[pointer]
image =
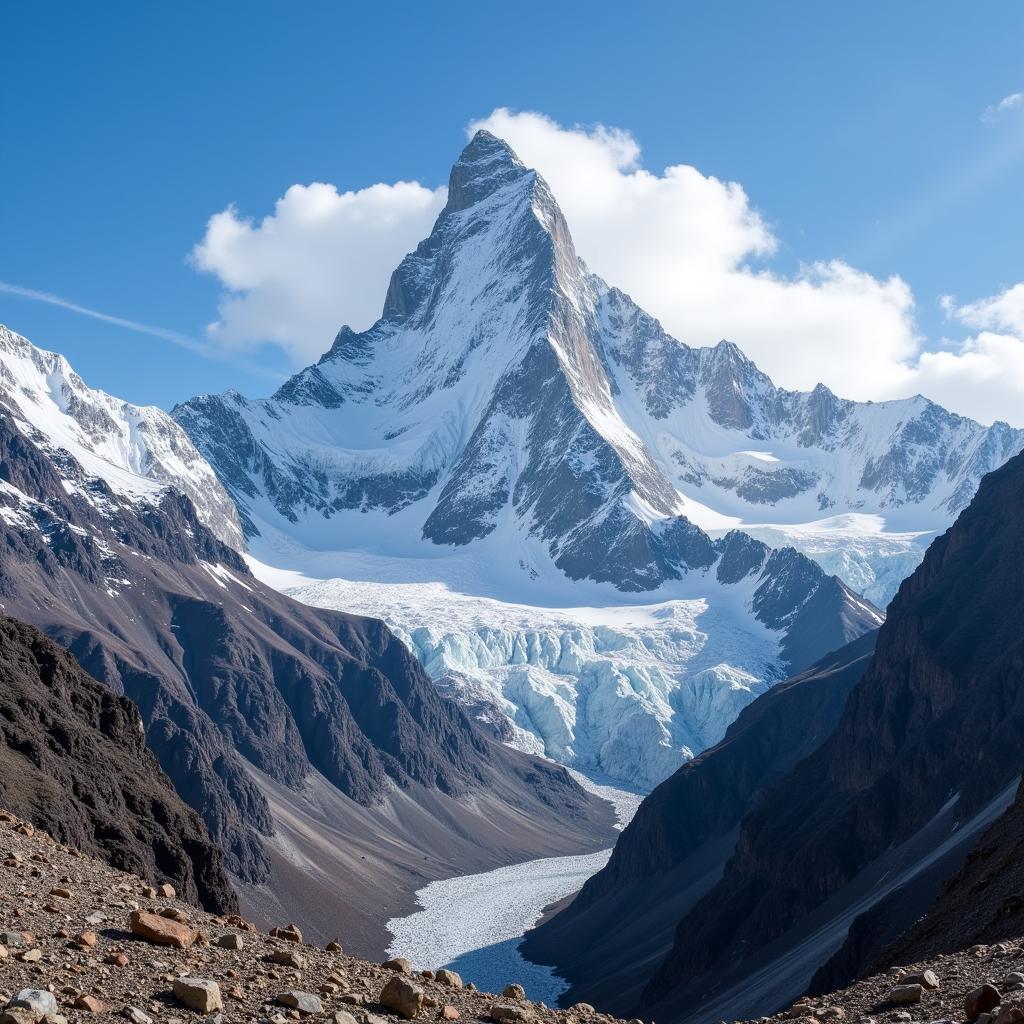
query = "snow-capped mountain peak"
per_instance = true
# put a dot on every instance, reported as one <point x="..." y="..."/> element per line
<point x="137" y="451"/>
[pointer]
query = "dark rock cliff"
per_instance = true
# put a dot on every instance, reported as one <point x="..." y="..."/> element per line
<point x="73" y="761"/>
<point x="931" y="736"/>
<point x="683" y="834"/>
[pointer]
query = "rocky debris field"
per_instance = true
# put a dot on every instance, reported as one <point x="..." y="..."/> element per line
<point x="984" y="984"/>
<point x="81" y="941"/>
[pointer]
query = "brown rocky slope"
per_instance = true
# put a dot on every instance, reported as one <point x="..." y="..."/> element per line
<point x="80" y="941"/>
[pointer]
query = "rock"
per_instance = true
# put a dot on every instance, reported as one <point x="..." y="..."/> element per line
<point x="402" y="996"/>
<point x="287" y="958"/>
<point x="230" y="941"/>
<point x="449" y="1013"/>
<point x="341" y="1017"/>
<point x="926" y="979"/>
<point x="117" y="959"/>
<point x="31" y="956"/>
<point x="1013" y="978"/>
<point x="95" y="918"/>
<point x="12" y="939"/>
<point x="137" y="1016"/>
<point x="90" y="1003"/>
<point x="400" y="965"/>
<point x="587" y="1008"/>
<point x="37" y="999"/>
<point x="85" y="939"/>
<point x="304" y="1002"/>
<point x="448" y="978"/>
<point x="161" y="931"/>
<point x="981" y="1000"/>
<point x="514" y="991"/>
<point x="4" y="954"/>
<point x="830" y="1013"/>
<point x="176" y="914"/>
<point x="290" y="932"/>
<point x="904" y="995"/>
<point x="200" y="994"/>
<point x="509" y="1011"/>
<point x="64" y="894"/>
<point x="166" y="891"/>
<point x="1010" y="1013"/>
<point x="19" y="1015"/>
<point x="333" y="947"/>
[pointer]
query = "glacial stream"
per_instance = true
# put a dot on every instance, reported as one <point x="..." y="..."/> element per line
<point x="475" y="923"/>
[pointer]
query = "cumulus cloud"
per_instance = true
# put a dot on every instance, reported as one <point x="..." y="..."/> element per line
<point x="322" y="257"/>
<point x="983" y="375"/>
<point x="690" y="248"/>
<point x="1007" y="105"/>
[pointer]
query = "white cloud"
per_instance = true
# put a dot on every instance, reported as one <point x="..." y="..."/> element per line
<point x="1007" y="105"/>
<point x="689" y="248"/>
<point x="320" y="259"/>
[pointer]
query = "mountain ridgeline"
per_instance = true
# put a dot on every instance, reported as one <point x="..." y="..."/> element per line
<point x="510" y="400"/>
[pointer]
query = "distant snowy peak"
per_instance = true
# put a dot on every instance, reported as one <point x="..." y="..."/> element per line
<point x="507" y="392"/>
<point x="137" y="451"/>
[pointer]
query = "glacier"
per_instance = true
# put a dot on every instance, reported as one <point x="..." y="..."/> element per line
<point x="629" y="691"/>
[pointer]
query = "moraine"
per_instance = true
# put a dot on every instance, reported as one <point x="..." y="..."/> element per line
<point x="474" y="924"/>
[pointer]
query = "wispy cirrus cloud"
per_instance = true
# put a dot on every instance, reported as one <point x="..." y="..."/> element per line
<point x="185" y="341"/>
<point x="1007" y="105"/>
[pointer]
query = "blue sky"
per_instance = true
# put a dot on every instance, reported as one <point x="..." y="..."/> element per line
<point x="856" y="132"/>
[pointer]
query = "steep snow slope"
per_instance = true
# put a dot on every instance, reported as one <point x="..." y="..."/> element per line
<point x="506" y="389"/>
<point x="138" y="451"/>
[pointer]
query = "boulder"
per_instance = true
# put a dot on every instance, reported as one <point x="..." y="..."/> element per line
<point x="514" y="991"/>
<point x="509" y="1011"/>
<point x="400" y="965"/>
<point x="230" y="941"/>
<point x="402" y="997"/>
<point x="287" y="958"/>
<point x="981" y="1000"/>
<point x="926" y="979"/>
<point x="304" y="1002"/>
<point x="200" y="994"/>
<point x="162" y="931"/>
<point x="905" y="995"/>
<point x="448" y="978"/>
<point x="36" y="999"/>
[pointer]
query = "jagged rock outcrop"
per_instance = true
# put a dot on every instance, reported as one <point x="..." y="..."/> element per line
<point x="73" y="761"/>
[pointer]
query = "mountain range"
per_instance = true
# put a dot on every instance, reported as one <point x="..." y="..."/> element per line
<point x="586" y="529"/>
<point x="303" y="655"/>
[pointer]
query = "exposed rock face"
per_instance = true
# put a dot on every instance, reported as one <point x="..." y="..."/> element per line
<point x="927" y="752"/>
<point x="508" y="393"/>
<point x="230" y="675"/>
<point x="608" y="941"/>
<point x="73" y="760"/>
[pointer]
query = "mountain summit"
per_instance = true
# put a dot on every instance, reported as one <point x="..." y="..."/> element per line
<point x="506" y="392"/>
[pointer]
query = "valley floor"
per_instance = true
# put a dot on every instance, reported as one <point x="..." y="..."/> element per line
<point x="475" y="923"/>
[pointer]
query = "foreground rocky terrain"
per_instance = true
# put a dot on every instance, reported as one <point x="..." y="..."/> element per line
<point x="80" y="940"/>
